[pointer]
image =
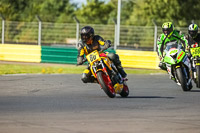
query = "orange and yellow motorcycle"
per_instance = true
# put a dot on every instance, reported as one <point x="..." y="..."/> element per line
<point x="107" y="75"/>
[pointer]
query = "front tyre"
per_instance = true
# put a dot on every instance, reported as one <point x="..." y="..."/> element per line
<point x="182" y="79"/>
<point x="105" y="84"/>
<point x="198" y="76"/>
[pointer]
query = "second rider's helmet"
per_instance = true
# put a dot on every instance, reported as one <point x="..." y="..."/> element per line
<point x="168" y="28"/>
<point x="87" y="34"/>
<point x="193" y="30"/>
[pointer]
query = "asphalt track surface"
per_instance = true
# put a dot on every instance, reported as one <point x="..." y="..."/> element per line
<point x="63" y="104"/>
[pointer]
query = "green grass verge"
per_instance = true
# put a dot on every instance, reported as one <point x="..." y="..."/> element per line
<point x="60" y="69"/>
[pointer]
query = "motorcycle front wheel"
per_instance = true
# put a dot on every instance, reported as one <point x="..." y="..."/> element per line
<point x="105" y="84"/>
<point x="182" y="79"/>
<point x="198" y="76"/>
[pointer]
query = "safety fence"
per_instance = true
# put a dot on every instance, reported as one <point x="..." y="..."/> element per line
<point x="46" y="33"/>
<point x="68" y="55"/>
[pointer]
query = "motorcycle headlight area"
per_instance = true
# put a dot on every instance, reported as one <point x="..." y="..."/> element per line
<point x="97" y="64"/>
<point x="174" y="55"/>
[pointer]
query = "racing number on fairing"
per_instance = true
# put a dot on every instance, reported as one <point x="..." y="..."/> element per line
<point x="197" y="50"/>
<point x="92" y="57"/>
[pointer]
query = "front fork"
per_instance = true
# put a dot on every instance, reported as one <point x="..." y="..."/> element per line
<point x="172" y="70"/>
<point x="194" y="74"/>
<point x="187" y="73"/>
<point x="195" y="62"/>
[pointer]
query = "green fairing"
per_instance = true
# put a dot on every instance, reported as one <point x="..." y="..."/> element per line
<point x="181" y="56"/>
<point x="174" y="51"/>
<point x="170" y="60"/>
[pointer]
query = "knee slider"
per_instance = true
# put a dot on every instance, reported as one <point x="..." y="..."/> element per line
<point x="84" y="78"/>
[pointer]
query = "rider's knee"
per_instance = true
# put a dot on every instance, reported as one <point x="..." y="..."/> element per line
<point x="84" y="78"/>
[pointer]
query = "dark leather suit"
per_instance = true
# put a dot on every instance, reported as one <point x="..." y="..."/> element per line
<point x="97" y="43"/>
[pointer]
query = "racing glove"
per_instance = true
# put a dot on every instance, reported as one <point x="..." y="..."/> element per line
<point x="79" y="60"/>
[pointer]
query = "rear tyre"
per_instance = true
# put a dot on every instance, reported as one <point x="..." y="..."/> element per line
<point x="105" y="84"/>
<point x="198" y="76"/>
<point x="125" y="91"/>
<point x="182" y="79"/>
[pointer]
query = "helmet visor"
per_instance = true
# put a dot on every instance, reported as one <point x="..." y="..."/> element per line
<point x="85" y="37"/>
<point x="167" y="31"/>
<point x="193" y="33"/>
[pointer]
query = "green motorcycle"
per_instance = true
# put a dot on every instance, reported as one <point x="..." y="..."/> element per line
<point x="195" y="52"/>
<point x="178" y="65"/>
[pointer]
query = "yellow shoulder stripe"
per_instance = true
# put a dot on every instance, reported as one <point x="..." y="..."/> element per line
<point x="82" y="52"/>
<point x="85" y="51"/>
<point x="101" y="42"/>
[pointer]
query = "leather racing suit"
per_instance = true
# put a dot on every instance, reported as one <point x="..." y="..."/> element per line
<point x="97" y="43"/>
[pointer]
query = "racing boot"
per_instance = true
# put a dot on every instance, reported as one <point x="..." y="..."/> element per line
<point x="162" y="66"/>
<point x="93" y="79"/>
<point x="172" y="78"/>
<point x="118" y="88"/>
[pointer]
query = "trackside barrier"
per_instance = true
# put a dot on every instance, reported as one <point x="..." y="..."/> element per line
<point x="68" y="55"/>
<point x="63" y="55"/>
<point x="44" y="54"/>
<point x="22" y="53"/>
<point x="138" y="59"/>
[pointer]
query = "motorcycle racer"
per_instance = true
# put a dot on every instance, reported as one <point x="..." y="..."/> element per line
<point x="90" y="42"/>
<point x="193" y="36"/>
<point x="168" y="35"/>
<point x="193" y="39"/>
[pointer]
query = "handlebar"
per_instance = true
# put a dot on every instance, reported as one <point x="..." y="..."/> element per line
<point x="85" y="59"/>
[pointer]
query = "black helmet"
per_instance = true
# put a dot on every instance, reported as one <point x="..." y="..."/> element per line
<point x="192" y="30"/>
<point x="87" y="33"/>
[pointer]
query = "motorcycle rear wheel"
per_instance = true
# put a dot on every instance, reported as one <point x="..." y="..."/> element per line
<point x="105" y="85"/>
<point x="125" y="91"/>
<point x="182" y="79"/>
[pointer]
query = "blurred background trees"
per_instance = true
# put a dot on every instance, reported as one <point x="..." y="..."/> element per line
<point x="48" y="10"/>
<point x="137" y="27"/>
<point x="133" y="12"/>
